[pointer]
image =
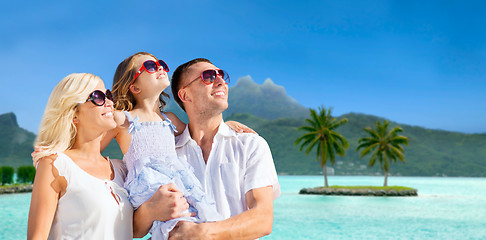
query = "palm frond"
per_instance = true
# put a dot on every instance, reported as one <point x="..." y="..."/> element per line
<point x="310" y="135"/>
<point x="399" y="140"/>
<point x="311" y="123"/>
<point x="390" y="155"/>
<point x="307" y="128"/>
<point x="341" y="139"/>
<point x="367" y="144"/>
<point x="368" y="140"/>
<point x="315" y="119"/>
<point x="311" y="146"/>
<point x="339" y="149"/>
<point x="398" y="153"/>
<point x="395" y="131"/>
<point x="306" y="142"/>
<point x="372" y="132"/>
<point x="368" y="149"/>
<point x="372" y="161"/>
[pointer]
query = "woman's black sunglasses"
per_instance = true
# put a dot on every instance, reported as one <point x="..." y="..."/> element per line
<point x="98" y="97"/>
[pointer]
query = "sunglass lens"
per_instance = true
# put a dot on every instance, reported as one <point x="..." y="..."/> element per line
<point x="150" y="66"/>
<point x="98" y="97"/>
<point x="164" y="65"/>
<point x="208" y="76"/>
<point x="226" y="76"/>
<point x="109" y="95"/>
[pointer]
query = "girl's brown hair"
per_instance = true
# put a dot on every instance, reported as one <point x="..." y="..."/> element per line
<point x="124" y="74"/>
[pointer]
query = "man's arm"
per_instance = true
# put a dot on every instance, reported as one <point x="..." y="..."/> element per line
<point x="251" y="224"/>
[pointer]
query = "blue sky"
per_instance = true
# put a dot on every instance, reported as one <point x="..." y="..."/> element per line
<point x="414" y="62"/>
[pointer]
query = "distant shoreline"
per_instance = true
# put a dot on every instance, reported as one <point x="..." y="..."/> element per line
<point x="16" y="189"/>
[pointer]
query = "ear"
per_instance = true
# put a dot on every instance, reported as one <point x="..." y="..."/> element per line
<point x="183" y="95"/>
<point x="75" y="120"/>
<point x="134" y="89"/>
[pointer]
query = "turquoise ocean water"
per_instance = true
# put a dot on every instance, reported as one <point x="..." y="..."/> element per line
<point x="446" y="208"/>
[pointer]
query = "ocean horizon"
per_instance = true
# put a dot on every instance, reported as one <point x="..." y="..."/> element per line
<point x="445" y="208"/>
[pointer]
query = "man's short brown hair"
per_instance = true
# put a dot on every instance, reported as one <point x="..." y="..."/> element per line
<point x="177" y="78"/>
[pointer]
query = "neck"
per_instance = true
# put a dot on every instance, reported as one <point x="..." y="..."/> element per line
<point x="87" y="145"/>
<point x="203" y="129"/>
<point x="148" y="104"/>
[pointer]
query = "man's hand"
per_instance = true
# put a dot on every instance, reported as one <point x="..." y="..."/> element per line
<point x="37" y="150"/>
<point x="188" y="230"/>
<point x="167" y="203"/>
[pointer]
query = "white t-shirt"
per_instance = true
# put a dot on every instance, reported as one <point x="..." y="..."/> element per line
<point x="237" y="163"/>
<point x="92" y="208"/>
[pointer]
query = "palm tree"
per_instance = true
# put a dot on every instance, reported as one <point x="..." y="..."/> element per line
<point x="321" y="133"/>
<point x="385" y="146"/>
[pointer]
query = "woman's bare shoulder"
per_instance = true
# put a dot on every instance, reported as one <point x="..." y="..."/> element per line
<point x="46" y="163"/>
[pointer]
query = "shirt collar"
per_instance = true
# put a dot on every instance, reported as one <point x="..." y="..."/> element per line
<point x="185" y="136"/>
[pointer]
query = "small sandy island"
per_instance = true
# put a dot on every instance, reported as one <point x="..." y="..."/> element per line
<point x="392" y="191"/>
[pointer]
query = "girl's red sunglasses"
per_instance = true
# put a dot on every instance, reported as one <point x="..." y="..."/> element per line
<point x="151" y="67"/>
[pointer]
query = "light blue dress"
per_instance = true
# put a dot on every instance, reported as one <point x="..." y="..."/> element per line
<point x="152" y="161"/>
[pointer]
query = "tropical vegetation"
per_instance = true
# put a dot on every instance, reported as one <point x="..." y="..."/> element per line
<point x="321" y="134"/>
<point x="25" y="175"/>
<point x="383" y="145"/>
<point x="6" y="175"/>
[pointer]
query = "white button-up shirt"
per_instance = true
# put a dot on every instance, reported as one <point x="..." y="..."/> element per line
<point x="237" y="163"/>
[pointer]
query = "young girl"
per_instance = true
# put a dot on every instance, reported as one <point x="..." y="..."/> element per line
<point x="145" y="135"/>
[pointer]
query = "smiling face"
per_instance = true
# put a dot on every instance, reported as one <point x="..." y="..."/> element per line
<point x="150" y="83"/>
<point x="95" y="118"/>
<point x="201" y="98"/>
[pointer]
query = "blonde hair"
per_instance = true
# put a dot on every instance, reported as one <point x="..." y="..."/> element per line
<point x="57" y="131"/>
<point x="124" y="74"/>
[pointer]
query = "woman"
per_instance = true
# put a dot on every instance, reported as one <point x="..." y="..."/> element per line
<point x="77" y="192"/>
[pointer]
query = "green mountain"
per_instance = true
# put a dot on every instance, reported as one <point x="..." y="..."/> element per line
<point x="15" y="142"/>
<point x="275" y="116"/>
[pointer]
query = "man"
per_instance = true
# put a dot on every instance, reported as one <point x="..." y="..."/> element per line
<point x="237" y="170"/>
